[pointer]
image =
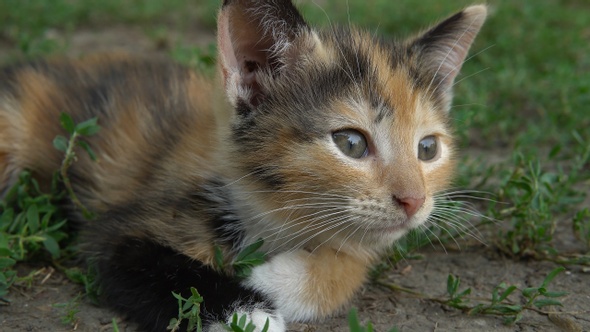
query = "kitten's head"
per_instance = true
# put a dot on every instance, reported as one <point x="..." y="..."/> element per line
<point x="338" y="138"/>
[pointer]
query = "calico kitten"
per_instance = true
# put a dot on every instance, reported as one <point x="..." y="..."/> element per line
<point x="328" y="145"/>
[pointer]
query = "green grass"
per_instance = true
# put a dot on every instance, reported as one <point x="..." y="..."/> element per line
<point x="31" y="220"/>
<point x="521" y="105"/>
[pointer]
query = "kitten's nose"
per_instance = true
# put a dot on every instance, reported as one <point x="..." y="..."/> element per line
<point x="410" y="204"/>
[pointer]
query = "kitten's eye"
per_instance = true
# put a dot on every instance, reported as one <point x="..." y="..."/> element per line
<point x="427" y="148"/>
<point x="351" y="142"/>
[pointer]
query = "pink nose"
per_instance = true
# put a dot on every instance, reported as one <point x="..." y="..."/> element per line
<point x="411" y="205"/>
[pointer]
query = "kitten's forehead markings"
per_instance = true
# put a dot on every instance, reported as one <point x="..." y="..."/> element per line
<point x="382" y="112"/>
<point x="357" y="59"/>
<point x="369" y="109"/>
<point x="397" y="90"/>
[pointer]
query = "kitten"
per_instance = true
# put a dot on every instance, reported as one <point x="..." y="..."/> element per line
<point x="328" y="145"/>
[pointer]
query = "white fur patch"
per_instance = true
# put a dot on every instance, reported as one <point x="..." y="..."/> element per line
<point x="283" y="280"/>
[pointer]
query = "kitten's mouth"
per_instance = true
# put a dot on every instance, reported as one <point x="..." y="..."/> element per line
<point x="399" y="227"/>
<point x="403" y="227"/>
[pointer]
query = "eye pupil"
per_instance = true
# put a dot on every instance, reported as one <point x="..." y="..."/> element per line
<point x="351" y="142"/>
<point x="427" y="148"/>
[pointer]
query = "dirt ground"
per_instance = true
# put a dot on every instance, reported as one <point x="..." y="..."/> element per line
<point x="38" y="308"/>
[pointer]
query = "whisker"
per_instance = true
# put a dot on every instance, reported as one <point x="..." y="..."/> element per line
<point x="459" y="227"/>
<point x="469" y="212"/>
<point x="468" y="76"/>
<point x="239" y="179"/>
<point x="353" y="233"/>
<point x="435" y="236"/>
<point x="297" y="222"/>
<point x="346" y="221"/>
<point x="300" y="192"/>
<point x="337" y="222"/>
<point x="294" y="207"/>
<point x="318" y="222"/>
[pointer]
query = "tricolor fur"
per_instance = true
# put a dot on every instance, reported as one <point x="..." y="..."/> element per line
<point x="188" y="164"/>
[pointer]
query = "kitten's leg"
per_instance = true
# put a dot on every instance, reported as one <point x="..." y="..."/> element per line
<point x="138" y="277"/>
<point x="305" y="286"/>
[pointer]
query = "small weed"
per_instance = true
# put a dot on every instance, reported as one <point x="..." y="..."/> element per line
<point x="70" y="310"/>
<point x="355" y="326"/>
<point x="86" y="278"/>
<point x="581" y="226"/>
<point x="248" y="259"/>
<point x="30" y="220"/>
<point x="535" y="298"/>
<point x="115" y="325"/>
<point x="536" y="197"/>
<point x="189" y="309"/>
<point x="76" y="131"/>
<point x="242" y="324"/>
<point x="244" y="262"/>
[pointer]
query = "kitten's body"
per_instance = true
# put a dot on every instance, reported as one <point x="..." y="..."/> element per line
<point x="186" y="165"/>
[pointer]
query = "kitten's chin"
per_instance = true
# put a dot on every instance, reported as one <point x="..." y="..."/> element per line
<point x="383" y="238"/>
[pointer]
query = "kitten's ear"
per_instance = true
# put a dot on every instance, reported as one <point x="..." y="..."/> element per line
<point x="256" y="38"/>
<point x="443" y="48"/>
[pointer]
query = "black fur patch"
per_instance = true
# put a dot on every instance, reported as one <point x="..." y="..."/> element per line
<point x="441" y="31"/>
<point x="354" y="61"/>
<point x="243" y="109"/>
<point x="215" y="201"/>
<point x="140" y="276"/>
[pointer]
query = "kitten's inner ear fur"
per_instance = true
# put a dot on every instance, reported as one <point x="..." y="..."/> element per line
<point x="256" y="38"/>
<point x="443" y="48"/>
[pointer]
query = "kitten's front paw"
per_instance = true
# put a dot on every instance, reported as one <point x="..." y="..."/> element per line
<point x="304" y="286"/>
